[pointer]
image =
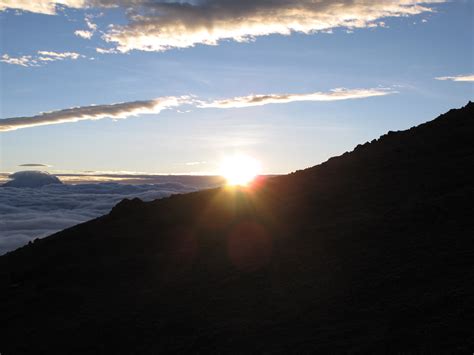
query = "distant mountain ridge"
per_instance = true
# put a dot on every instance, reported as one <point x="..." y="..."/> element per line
<point x="369" y="252"/>
<point x="31" y="178"/>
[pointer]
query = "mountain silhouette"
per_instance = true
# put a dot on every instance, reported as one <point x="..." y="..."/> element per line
<point x="369" y="252"/>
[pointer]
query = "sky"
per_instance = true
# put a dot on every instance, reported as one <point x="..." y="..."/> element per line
<point x="173" y="87"/>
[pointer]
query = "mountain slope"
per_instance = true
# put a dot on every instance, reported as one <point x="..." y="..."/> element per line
<point x="371" y="251"/>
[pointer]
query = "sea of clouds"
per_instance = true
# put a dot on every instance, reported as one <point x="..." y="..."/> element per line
<point x="27" y="213"/>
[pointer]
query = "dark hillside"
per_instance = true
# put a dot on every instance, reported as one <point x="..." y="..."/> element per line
<point x="369" y="252"/>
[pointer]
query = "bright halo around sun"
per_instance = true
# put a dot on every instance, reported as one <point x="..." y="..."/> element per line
<point x="240" y="170"/>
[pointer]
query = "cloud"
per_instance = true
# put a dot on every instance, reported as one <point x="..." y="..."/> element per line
<point x="92" y="27"/>
<point x="201" y="180"/>
<point x="259" y="100"/>
<point x="162" y="25"/>
<point x="46" y="7"/>
<point x="134" y="108"/>
<point x="120" y="110"/>
<point x="35" y="165"/>
<point x="31" y="178"/>
<point x="59" y="56"/>
<point x="194" y="163"/>
<point x="42" y="57"/>
<point x="464" y="78"/>
<point x="29" y="213"/>
<point x="84" y="34"/>
<point x="105" y="50"/>
<point x="24" y="61"/>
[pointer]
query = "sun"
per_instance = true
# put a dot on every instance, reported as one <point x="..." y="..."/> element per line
<point x="239" y="170"/>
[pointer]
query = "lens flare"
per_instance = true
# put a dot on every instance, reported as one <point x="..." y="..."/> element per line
<point x="240" y="170"/>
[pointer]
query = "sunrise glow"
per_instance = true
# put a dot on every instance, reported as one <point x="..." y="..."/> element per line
<point x="239" y="170"/>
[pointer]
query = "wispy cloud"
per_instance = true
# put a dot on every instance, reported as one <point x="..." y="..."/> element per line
<point x="41" y="57"/>
<point x="84" y="34"/>
<point x="59" y="56"/>
<point x="127" y="109"/>
<point x="115" y="111"/>
<point x="92" y="27"/>
<point x="105" y="50"/>
<point x="465" y="78"/>
<point x="37" y="165"/>
<point x="194" y="163"/>
<point x="332" y="95"/>
<point x="24" y="61"/>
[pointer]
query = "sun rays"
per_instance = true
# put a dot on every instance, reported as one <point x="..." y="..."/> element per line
<point x="240" y="170"/>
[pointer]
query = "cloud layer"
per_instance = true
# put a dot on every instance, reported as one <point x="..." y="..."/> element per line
<point x="164" y="24"/>
<point x="465" y="78"/>
<point x="127" y="109"/>
<point x="29" y="213"/>
<point x="333" y="95"/>
<point x="116" y="111"/>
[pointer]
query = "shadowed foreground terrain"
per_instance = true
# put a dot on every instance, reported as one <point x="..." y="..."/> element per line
<point x="369" y="252"/>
